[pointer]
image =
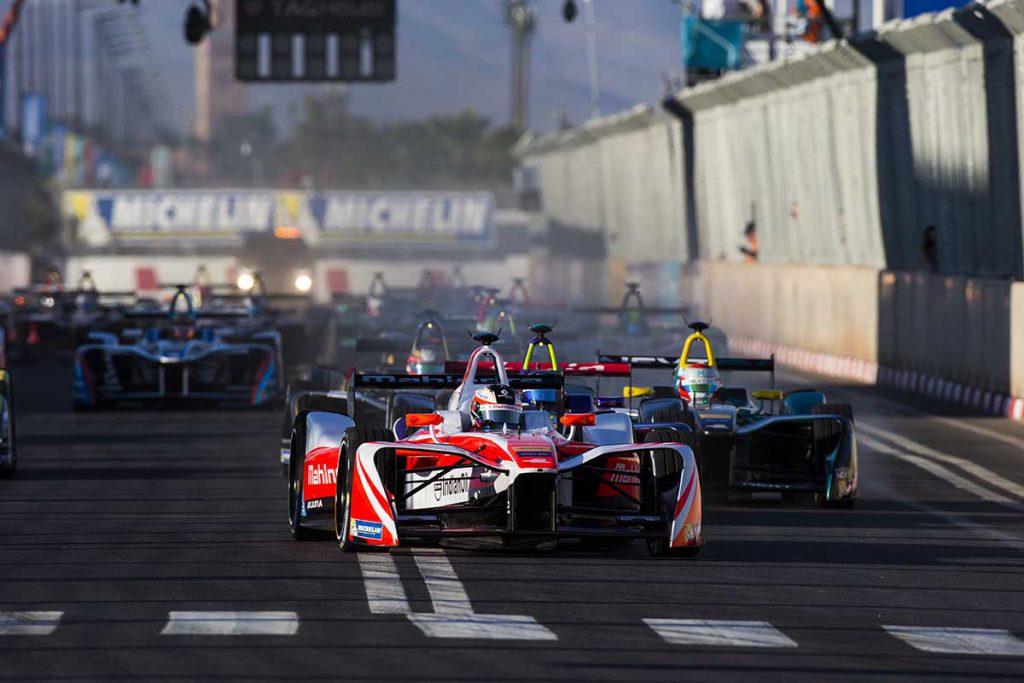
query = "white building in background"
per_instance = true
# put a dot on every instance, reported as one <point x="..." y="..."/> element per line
<point x="218" y="94"/>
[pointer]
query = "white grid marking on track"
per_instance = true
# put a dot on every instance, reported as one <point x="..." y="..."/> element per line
<point x="384" y="591"/>
<point x="485" y="626"/>
<point x="231" y="624"/>
<point x="446" y="591"/>
<point x="29" y="623"/>
<point x="720" y="633"/>
<point x="961" y="641"/>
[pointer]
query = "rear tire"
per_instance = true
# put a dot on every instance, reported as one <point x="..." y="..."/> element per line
<point x="350" y="443"/>
<point x="671" y="435"/>
<point x="683" y="415"/>
<point x="8" y="468"/>
<point x="843" y="409"/>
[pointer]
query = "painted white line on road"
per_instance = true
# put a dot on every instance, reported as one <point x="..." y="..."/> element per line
<point x="384" y="591"/>
<point x="1014" y="441"/>
<point x="453" y="615"/>
<point x="29" y="623"/>
<point x="231" y="624"/>
<point x="961" y="423"/>
<point x="960" y="641"/>
<point x="484" y="626"/>
<point x="982" y="473"/>
<point x="720" y="633"/>
<point x="446" y="591"/>
<point x="941" y="472"/>
<point x="953" y="518"/>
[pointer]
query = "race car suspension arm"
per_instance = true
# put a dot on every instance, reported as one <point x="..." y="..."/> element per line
<point x="595" y="473"/>
<point x="441" y="471"/>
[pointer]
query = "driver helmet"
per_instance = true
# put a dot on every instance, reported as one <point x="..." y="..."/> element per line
<point x="495" y="406"/>
<point x="696" y="383"/>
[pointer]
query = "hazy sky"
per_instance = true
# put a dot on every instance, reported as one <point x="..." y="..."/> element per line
<point x="454" y="55"/>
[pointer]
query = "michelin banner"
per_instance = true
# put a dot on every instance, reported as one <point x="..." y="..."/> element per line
<point x="106" y="218"/>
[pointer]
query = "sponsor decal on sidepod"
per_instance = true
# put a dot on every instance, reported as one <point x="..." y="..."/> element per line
<point x="373" y="531"/>
<point x="321" y="474"/>
<point x="443" y="488"/>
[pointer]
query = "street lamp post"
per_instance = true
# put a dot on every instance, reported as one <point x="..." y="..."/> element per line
<point x="592" y="72"/>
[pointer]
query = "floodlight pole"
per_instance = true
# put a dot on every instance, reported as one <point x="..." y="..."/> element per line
<point x="592" y="72"/>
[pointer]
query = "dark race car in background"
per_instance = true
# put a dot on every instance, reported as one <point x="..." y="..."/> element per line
<point x="182" y="355"/>
<point x="794" y="443"/>
<point x="8" y="441"/>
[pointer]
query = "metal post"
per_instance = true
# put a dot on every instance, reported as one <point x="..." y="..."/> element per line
<point x="593" y="76"/>
<point x="781" y="12"/>
<point x="32" y="42"/>
<point x="76" y="50"/>
<point x="46" y="28"/>
<point x="17" y="54"/>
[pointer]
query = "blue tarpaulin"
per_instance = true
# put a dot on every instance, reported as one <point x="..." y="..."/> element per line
<point x="710" y="44"/>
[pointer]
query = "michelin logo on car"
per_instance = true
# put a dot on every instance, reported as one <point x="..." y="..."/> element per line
<point x="373" y="531"/>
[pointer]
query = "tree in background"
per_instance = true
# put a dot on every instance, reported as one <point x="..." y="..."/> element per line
<point x="331" y="148"/>
<point x="240" y="148"/>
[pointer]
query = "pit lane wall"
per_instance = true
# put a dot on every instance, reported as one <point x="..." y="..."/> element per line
<point x="614" y="204"/>
<point x="15" y="270"/>
<point x="842" y="157"/>
<point x="948" y="336"/>
<point x="845" y="154"/>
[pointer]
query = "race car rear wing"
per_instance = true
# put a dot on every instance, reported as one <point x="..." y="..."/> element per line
<point x="379" y="381"/>
<point x="672" y="362"/>
<point x="659" y="362"/>
<point x="569" y="369"/>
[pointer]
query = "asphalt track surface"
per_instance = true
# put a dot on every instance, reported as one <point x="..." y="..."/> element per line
<point x="154" y="544"/>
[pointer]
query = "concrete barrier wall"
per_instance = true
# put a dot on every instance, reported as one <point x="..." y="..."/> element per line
<point x="819" y="308"/>
<point x="792" y="147"/>
<point x="620" y="178"/>
<point x="953" y="327"/>
<point x="1017" y="339"/>
<point x="968" y="330"/>
<point x="845" y="155"/>
<point x="122" y="273"/>
<point x="15" y="270"/>
<point x="354" y="276"/>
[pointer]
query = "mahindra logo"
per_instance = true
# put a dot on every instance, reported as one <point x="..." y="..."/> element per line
<point x="391" y="380"/>
<point x="319" y="475"/>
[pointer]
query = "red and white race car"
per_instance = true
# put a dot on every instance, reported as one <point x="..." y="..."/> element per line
<point x="517" y="482"/>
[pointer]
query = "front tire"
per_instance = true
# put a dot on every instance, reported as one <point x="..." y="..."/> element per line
<point x="350" y="443"/>
<point x="684" y="415"/>
<point x="8" y="467"/>
<point x="295" y="496"/>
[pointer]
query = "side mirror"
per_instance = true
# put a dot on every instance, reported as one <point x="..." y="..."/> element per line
<point x="416" y="420"/>
<point x="579" y="420"/>
<point x="637" y="392"/>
